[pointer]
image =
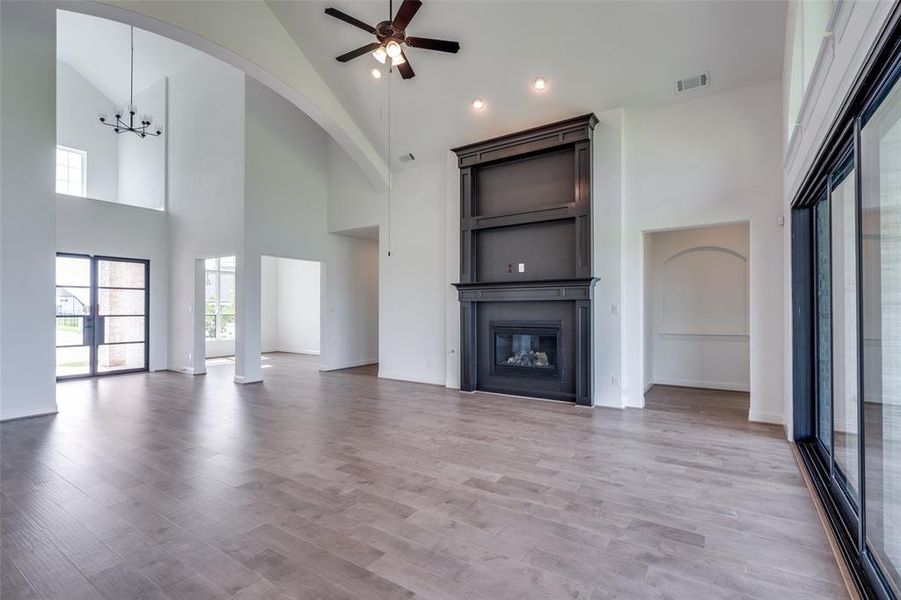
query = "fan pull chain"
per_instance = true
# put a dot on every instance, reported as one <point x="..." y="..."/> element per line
<point x="388" y="162"/>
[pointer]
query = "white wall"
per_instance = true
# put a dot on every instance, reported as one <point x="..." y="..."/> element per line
<point x="27" y="208"/>
<point x="607" y="213"/>
<point x="290" y="305"/>
<point x="697" y="296"/>
<point x="88" y="226"/>
<point x="417" y="338"/>
<point x="286" y="194"/>
<point x="704" y="162"/>
<point x="269" y="304"/>
<point x="142" y="161"/>
<point x="205" y="145"/>
<point x="78" y="103"/>
<point x="854" y="28"/>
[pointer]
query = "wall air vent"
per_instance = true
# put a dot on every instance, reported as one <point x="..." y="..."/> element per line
<point x="406" y="157"/>
<point x="701" y="80"/>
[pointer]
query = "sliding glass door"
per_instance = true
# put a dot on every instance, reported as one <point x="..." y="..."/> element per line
<point x="846" y="264"/>
<point x="844" y="332"/>
<point x="102" y="315"/>
<point x="881" y="318"/>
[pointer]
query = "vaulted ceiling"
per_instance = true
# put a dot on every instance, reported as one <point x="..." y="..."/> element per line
<point x="595" y="55"/>
<point x="99" y="49"/>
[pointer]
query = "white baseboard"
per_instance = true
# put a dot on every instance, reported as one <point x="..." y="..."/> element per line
<point x="187" y="371"/>
<point x="710" y="385"/>
<point x="414" y="379"/>
<point x="240" y="379"/>
<point x="350" y="364"/>
<point x="15" y="415"/>
<point x="765" y="416"/>
<point x="600" y="402"/>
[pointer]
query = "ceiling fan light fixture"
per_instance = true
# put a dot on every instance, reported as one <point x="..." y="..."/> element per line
<point x="392" y="49"/>
<point x="478" y="104"/>
<point x="380" y="55"/>
<point x="540" y="84"/>
<point x="398" y="60"/>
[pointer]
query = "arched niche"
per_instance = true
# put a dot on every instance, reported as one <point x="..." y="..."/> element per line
<point x="705" y="292"/>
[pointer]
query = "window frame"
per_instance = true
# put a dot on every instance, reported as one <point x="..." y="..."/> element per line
<point x="218" y="313"/>
<point x="84" y="171"/>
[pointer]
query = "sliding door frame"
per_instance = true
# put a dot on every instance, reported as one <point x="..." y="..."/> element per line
<point x="881" y="71"/>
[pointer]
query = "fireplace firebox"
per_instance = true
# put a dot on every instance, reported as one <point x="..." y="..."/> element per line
<point x="527" y="349"/>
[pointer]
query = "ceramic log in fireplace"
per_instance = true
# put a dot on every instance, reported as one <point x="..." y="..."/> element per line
<point x="526" y="281"/>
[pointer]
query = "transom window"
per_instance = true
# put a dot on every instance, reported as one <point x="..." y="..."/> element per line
<point x="71" y="170"/>
<point x="220" y="298"/>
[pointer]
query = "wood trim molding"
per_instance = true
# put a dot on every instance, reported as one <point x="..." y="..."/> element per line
<point x="544" y="137"/>
<point x="705" y="337"/>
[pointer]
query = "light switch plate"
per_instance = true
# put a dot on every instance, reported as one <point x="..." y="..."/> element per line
<point x="522" y="267"/>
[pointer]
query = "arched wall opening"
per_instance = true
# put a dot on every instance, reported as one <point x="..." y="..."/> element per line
<point x="696" y="320"/>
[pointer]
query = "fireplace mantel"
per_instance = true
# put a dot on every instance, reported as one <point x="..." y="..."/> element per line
<point x="520" y="291"/>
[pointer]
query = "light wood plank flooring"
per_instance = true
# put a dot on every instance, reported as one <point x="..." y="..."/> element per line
<point x="341" y="485"/>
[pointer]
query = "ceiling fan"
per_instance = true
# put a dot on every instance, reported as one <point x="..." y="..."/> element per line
<point x="392" y="37"/>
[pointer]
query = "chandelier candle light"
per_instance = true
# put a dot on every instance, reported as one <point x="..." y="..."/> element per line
<point x="121" y="126"/>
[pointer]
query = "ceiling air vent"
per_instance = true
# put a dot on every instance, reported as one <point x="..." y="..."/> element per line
<point x="701" y="80"/>
<point x="408" y="157"/>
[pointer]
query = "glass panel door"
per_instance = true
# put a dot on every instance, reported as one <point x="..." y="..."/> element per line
<point x="102" y="315"/>
<point x="844" y="333"/>
<point x="823" y="295"/>
<point x="881" y="321"/>
<point x="73" y="316"/>
<point x="121" y="315"/>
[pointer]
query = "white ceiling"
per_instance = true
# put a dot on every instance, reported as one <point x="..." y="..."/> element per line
<point x="597" y="55"/>
<point x="99" y="49"/>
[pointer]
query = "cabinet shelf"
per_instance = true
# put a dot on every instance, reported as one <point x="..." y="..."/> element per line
<point x="554" y="212"/>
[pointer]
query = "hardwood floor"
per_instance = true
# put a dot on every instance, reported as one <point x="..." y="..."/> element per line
<point x="341" y="485"/>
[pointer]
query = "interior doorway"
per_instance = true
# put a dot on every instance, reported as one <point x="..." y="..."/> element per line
<point x="290" y="307"/>
<point x="696" y="308"/>
<point x="102" y="317"/>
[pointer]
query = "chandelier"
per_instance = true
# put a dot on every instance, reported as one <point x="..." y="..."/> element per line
<point x="120" y="126"/>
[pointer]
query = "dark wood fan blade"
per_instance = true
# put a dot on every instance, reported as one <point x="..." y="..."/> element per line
<point x="405" y="14"/>
<point x="430" y="44"/>
<point x="406" y="71"/>
<point x="358" y="52"/>
<point x="334" y="12"/>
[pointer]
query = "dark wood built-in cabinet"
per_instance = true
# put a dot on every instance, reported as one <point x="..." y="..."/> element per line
<point x="525" y="258"/>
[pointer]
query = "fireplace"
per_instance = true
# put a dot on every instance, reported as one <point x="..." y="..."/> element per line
<point x="526" y="277"/>
<point x="527" y="349"/>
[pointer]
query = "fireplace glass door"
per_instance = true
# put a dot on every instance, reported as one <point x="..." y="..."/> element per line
<point x="526" y="350"/>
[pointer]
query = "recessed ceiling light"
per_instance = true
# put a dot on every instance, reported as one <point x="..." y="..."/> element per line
<point x="478" y="103"/>
<point x="376" y="73"/>
<point x="540" y="84"/>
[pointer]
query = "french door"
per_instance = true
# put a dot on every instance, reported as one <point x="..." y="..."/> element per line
<point x="102" y="317"/>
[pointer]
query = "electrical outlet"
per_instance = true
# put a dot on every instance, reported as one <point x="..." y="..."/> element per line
<point x="614" y="381"/>
<point x="522" y="267"/>
<point x="614" y="309"/>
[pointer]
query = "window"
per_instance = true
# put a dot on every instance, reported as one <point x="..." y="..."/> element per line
<point x="71" y="171"/>
<point x="220" y="298"/>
